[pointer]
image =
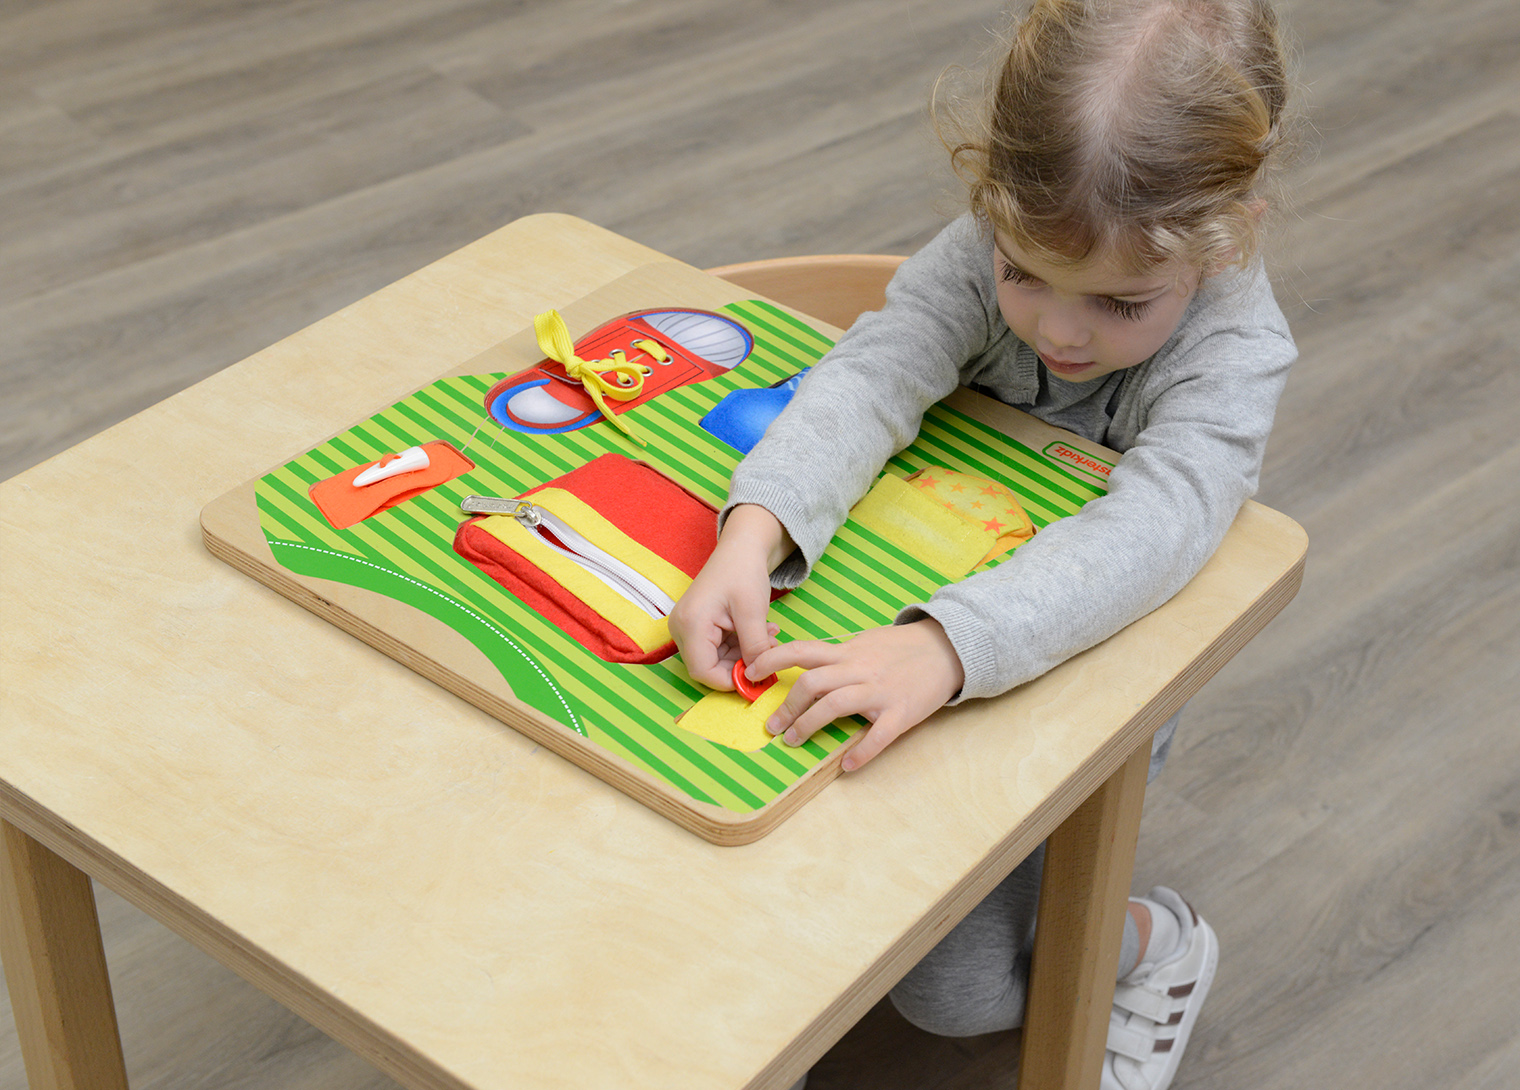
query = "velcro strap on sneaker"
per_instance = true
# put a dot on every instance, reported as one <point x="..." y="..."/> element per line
<point x="1132" y="1043"/>
<point x="1145" y="1003"/>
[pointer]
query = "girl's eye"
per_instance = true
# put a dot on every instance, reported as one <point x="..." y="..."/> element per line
<point x="1130" y="311"/>
<point x="1014" y="275"/>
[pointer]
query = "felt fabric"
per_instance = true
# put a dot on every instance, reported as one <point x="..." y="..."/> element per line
<point x="626" y="383"/>
<point x="641" y="517"/>
<point x="646" y="505"/>
<point x="949" y="541"/>
<point x="649" y="352"/>
<point x="604" y="534"/>
<point x="343" y="504"/>
<point x="741" y="418"/>
<point x="648" y="633"/>
<point x="988" y="503"/>
<point x="731" y="720"/>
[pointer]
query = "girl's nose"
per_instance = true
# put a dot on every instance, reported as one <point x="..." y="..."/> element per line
<point x="1063" y="327"/>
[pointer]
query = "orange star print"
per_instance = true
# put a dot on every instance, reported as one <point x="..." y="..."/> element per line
<point x="988" y="502"/>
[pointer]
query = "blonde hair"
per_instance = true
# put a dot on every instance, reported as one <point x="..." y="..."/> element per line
<point x="1136" y="129"/>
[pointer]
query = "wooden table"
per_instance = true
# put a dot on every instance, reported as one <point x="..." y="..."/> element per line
<point x="462" y="908"/>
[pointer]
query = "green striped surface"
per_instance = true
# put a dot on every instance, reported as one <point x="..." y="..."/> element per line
<point x="407" y="552"/>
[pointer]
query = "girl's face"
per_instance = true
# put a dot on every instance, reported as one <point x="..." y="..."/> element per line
<point x="1091" y="319"/>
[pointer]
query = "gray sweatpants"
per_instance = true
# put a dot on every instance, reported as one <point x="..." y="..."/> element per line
<point x="974" y="981"/>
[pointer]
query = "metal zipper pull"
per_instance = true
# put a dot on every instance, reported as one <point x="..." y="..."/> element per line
<point x="524" y="511"/>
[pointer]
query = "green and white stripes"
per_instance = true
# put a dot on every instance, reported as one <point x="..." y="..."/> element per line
<point x="407" y="552"/>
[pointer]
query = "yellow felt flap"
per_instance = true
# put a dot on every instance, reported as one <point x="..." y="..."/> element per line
<point x="649" y="633"/>
<point x="595" y="527"/>
<point x="730" y="720"/>
<point x="949" y="542"/>
<point x="989" y="503"/>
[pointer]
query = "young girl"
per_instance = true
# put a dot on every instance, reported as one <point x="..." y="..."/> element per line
<point x="1105" y="280"/>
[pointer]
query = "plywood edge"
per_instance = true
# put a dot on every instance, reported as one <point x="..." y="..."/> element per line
<point x="1032" y="432"/>
<point x="231" y="533"/>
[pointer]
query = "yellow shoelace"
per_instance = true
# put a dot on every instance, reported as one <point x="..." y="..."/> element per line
<point x="627" y="382"/>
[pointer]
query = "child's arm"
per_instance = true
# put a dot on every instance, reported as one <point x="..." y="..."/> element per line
<point x="866" y="398"/>
<point x="895" y="676"/>
<point x="721" y="617"/>
<point x="1192" y="423"/>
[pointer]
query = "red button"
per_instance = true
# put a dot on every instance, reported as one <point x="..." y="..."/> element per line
<point x="750" y="690"/>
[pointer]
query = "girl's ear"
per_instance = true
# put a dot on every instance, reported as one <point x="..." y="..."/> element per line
<point x="1221" y="263"/>
<point x="1255" y="208"/>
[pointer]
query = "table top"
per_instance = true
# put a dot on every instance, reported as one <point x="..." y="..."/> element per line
<point x="459" y="905"/>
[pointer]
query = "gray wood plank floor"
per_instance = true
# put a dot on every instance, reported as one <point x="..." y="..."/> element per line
<point x="184" y="183"/>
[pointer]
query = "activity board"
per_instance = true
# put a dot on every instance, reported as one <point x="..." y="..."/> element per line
<point x="517" y="540"/>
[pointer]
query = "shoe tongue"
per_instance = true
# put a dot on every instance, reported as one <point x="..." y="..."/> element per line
<point x="1166" y="932"/>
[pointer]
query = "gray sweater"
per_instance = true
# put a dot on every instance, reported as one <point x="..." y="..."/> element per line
<point x="1191" y="423"/>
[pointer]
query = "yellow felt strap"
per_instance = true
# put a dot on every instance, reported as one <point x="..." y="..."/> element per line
<point x="648" y="632"/>
<point x="940" y="536"/>
<point x="596" y="528"/>
<point x="730" y="720"/>
<point x="554" y="341"/>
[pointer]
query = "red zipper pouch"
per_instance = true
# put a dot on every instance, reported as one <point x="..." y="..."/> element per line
<point x="604" y="552"/>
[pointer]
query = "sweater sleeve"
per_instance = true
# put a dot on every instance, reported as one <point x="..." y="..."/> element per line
<point x="1195" y="424"/>
<point x="1206" y="415"/>
<point x="864" y="401"/>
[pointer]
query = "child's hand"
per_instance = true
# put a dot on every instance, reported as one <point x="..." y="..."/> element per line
<point x="896" y="677"/>
<point x="721" y="617"/>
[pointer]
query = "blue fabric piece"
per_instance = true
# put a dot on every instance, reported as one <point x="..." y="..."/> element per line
<point x="741" y="418"/>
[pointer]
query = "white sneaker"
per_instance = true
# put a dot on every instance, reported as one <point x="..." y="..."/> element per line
<point x="1157" y="1004"/>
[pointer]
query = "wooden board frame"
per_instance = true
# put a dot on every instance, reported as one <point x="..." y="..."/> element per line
<point x="232" y="532"/>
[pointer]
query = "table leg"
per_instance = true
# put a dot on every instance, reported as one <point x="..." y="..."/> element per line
<point x="55" y="967"/>
<point x="1089" y="862"/>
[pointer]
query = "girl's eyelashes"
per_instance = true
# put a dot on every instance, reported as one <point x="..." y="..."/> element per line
<point x="1015" y="275"/>
<point x="1124" y="308"/>
<point x="1129" y="310"/>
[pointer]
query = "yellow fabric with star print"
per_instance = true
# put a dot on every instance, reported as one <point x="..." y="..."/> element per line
<point x="950" y="520"/>
<point x="988" y="503"/>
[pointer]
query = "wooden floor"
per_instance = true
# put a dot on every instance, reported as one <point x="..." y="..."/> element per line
<point x="182" y="183"/>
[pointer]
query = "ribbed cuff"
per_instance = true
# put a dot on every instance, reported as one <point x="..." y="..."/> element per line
<point x="809" y="538"/>
<point x="968" y="635"/>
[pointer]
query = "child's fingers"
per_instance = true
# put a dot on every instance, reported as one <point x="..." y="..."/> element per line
<point x="818" y="697"/>
<point x="894" y="677"/>
<point x="882" y="733"/>
<point x="710" y="659"/>
<point x="754" y="636"/>
<point x="705" y="656"/>
<point x="886" y="729"/>
<point x="772" y="630"/>
<point x="807" y="654"/>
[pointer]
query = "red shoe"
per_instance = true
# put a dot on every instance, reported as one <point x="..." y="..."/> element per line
<point x="674" y="348"/>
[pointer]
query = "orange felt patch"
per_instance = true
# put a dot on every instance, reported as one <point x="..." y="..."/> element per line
<point x="343" y="504"/>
